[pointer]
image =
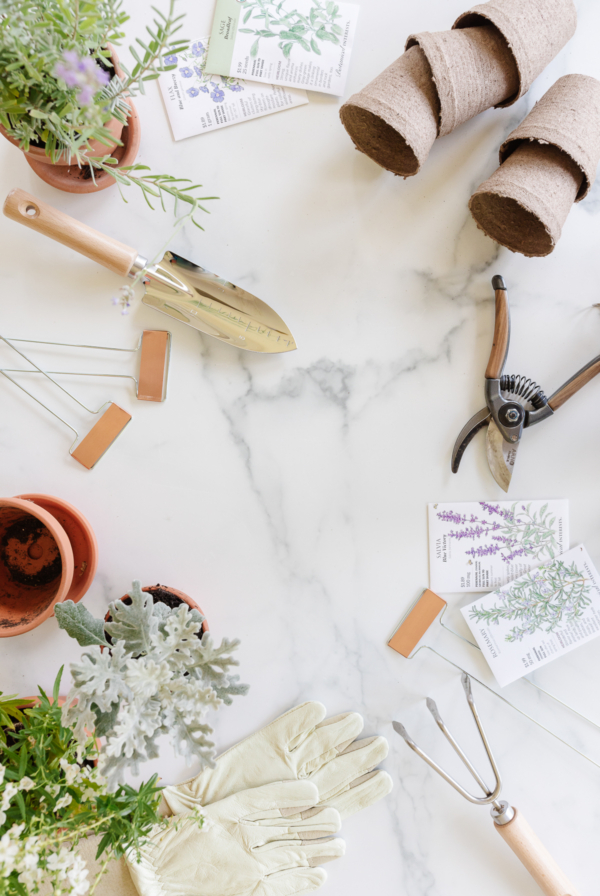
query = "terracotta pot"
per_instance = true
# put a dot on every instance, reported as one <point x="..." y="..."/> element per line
<point x="37" y="559"/>
<point x="180" y="594"/>
<point x="73" y="179"/>
<point x="82" y="538"/>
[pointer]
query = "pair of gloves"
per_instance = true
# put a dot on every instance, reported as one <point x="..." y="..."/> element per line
<point x="262" y="838"/>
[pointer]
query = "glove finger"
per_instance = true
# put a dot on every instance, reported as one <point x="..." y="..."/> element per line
<point x="275" y="800"/>
<point x="287" y="857"/>
<point x="295" y="724"/>
<point x="314" y="826"/>
<point x="290" y="883"/>
<point x="359" y="758"/>
<point x="365" y="791"/>
<point x="326" y="742"/>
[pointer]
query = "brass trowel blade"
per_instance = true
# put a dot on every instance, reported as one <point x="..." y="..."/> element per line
<point x="189" y="293"/>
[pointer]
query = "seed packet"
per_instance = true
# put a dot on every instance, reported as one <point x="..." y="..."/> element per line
<point x="539" y="617"/>
<point x="294" y="43"/>
<point x="480" y="546"/>
<point x="197" y="101"/>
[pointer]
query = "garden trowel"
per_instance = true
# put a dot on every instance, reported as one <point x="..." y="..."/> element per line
<point x="175" y="286"/>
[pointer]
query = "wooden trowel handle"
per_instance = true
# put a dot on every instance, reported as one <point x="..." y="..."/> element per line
<point x="27" y="210"/>
<point x="535" y="857"/>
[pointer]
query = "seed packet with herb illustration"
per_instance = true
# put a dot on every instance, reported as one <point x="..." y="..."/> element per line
<point x="481" y="546"/>
<point x="539" y="617"/>
<point x="295" y="43"/>
<point x="197" y="101"/>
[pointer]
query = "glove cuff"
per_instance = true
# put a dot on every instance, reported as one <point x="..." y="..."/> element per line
<point x="143" y="873"/>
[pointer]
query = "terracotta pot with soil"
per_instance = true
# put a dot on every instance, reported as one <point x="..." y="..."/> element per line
<point x="73" y="179"/>
<point x="169" y="596"/>
<point x="48" y="554"/>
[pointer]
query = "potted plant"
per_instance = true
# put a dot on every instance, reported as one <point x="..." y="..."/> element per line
<point x="148" y="671"/>
<point x="53" y="796"/>
<point x="65" y="99"/>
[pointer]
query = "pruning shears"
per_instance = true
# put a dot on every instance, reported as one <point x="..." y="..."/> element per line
<point x="513" y="403"/>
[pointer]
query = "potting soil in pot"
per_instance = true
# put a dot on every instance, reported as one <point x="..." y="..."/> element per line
<point x="30" y="568"/>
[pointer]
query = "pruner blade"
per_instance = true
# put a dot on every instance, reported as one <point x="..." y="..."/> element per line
<point x="469" y="430"/>
<point x="501" y="456"/>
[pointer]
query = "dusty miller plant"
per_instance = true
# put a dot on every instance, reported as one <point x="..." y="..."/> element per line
<point x="153" y="675"/>
<point x="542" y="600"/>
<point x="55" y="92"/>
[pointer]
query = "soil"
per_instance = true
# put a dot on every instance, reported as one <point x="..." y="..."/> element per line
<point x="30" y="554"/>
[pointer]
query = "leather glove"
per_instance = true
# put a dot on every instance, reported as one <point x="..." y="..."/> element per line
<point x="301" y="744"/>
<point x="260" y="842"/>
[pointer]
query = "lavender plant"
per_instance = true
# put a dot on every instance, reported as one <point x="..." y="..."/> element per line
<point x="509" y="533"/>
<point x="146" y="673"/>
<point x="59" y="90"/>
<point x="542" y="600"/>
<point x="52" y="796"/>
<point x="290" y="27"/>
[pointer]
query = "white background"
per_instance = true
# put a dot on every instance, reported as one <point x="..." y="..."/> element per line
<point x="287" y="494"/>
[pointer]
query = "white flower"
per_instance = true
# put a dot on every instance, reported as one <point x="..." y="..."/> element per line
<point x="63" y="802"/>
<point x="77" y="877"/>
<point x="59" y="862"/>
<point x="53" y="789"/>
<point x="9" y="792"/>
<point x="89" y="794"/>
<point x="71" y="771"/>
<point x="26" y="783"/>
<point x="2" y="770"/>
<point x="9" y="850"/>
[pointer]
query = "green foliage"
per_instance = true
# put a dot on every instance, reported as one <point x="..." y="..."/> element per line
<point x="10" y="713"/>
<point x="39" y="109"/>
<point x="542" y="600"/>
<point x="290" y="27"/>
<point x="52" y="795"/>
<point x="157" y="677"/>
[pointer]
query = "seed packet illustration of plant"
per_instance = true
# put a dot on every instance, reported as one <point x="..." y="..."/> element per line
<point x="294" y="43"/>
<point x="197" y="101"/>
<point x="539" y="617"/>
<point x="481" y="546"/>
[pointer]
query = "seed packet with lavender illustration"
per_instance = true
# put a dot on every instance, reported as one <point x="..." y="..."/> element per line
<point x="478" y="546"/>
<point x="294" y="43"/>
<point x="197" y="101"/>
<point x="539" y="617"/>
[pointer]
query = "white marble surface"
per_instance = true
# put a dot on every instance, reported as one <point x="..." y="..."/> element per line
<point x="288" y="493"/>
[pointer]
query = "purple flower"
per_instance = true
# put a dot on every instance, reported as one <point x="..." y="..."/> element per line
<point x="449" y="516"/>
<point x="83" y="73"/>
<point x="198" y="70"/>
<point x="236" y="88"/>
<point x="198" y="48"/>
<point x="170" y="60"/>
<point x="204" y="89"/>
<point x="192" y="91"/>
<point x="217" y="95"/>
<point x="186" y="72"/>
<point x="489" y="551"/>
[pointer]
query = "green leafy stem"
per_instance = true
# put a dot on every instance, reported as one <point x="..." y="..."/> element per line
<point x="292" y="28"/>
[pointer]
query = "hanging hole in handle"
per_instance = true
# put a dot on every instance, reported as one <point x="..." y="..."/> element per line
<point x="29" y="209"/>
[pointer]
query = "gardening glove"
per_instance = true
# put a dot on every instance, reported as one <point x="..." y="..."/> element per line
<point x="261" y="842"/>
<point x="299" y="744"/>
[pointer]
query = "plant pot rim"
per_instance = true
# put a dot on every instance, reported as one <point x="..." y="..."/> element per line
<point x="85" y="568"/>
<point x="66" y="555"/>
<point x="176" y="593"/>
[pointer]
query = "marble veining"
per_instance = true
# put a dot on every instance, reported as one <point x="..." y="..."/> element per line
<point x="288" y="493"/>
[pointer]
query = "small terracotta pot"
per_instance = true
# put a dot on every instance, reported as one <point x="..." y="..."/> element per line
<point x="82" y="538"/>
<point x="73" y="179"/>
<point x="180" y="594"/>
<point x="40" y="537"/>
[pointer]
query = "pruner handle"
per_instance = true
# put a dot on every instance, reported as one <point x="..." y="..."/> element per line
<point x="501" y="331"/>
